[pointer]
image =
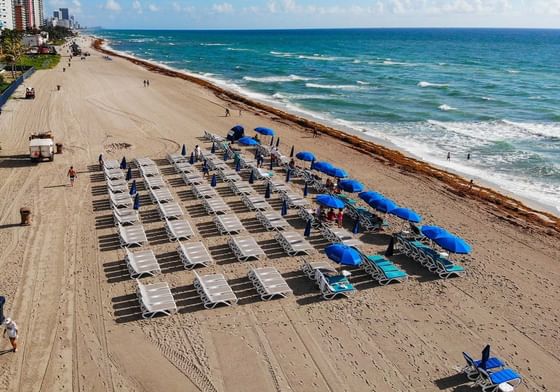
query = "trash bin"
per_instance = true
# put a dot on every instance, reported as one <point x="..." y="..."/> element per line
<point x="59" y="148"/>
<point x="25" y="216"/>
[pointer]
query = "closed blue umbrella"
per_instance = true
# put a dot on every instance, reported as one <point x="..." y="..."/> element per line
<point x="351" y="186"/>
<point x="238" y="165"/>
<point x="336" y="172"/>
<point x="136" y="202"/>
<point x="184" y="151"/>
<point x="305" y="156"/>
<point x="277" y="142"/>
<point x="356" y="228"/>
<point x="344" y="255"/>
<point x="307" y="231"/>
<point x="226" y="155"/>
<point x="453" y="244"/>
<point x="432" y="232"/>
<point x="123" y="163"/>
<point x="383" y="205"/>
<point x="2" y="302"/>
<point x="265" y="131"/>
<point x="292" y="152"/>
<point x="322" y="166"/>
<point x="252" y="177"/>
<point x="129" y="174"/>
<point x="248" y="141"/>
<point x="406" y="214"/>
<point x="271" y="163"/>
<point x="271" y="141"/>
<point x="329" y="201"/>
<point x="267" y="191"/>
<point x="288" y="175"/>
<point x="370" y="196"/>
<point x="305" y="190"/>
<point x="191" y="159"/>
<point x="213" y="149"/>
<point x="214" y="181"/>
<point x="284" y="210"/>
<point x="133" y="190"/>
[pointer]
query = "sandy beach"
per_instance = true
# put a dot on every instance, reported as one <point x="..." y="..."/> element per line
<point x="68" y="288"/>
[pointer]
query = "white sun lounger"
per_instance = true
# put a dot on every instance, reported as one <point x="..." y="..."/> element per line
<point x="261" y="174"/>
<point x="178" y="229"/>
<point x="126" y="216"/>
<point x="279" y="185"/>
<point x="132" y="235"/>
<point x="141" y="263"/>
<point x="193" y="254"/>
<point x="162" y="195"/>
<point x="214" y="290"/>
<point x="122" y="188"/>
<point x="341" y="235"/>
<point x="192" y="178"/>
<point x="228" y="224"/>
<point x="294" y="200"/>
<point x="111" y="164"/>
<point x="245" y="248"/>
<point x="269" y="283"/>
<point x="216" y="206"/>
<point x="255" y="202"/>
<point x="272" y="220"/>
<point x="202" y="191"/>
<point x="170" y="210"/>
<point x="149" y="171"/>
<point x="241" y="187"/>
<point x="115" y="174"/>
<point x="176" y="157"/>
<point x="119" y="182"/>
<point x="248" y="162"/>
<point x="144" y="162"/>
<point x="155" y="298"/>
<point x="184" y="167"/>
<point x="155" y="182"/>
<point x="309" y="268"/>
<point x="120" y="200"/>
<point x="293" y="243"/>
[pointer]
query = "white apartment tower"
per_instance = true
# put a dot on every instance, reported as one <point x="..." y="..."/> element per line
<point x="38" y="13"/>
<point x="6" y="14"/>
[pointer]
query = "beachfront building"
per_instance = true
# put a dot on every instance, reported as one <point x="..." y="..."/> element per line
<point x="19" y="16"/>
<point x="6" y="14"/>
<point x="38" y="13"/>
<point x="64" y="14"/>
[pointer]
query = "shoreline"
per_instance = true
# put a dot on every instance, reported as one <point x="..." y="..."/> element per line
<point x="455" y="182"/>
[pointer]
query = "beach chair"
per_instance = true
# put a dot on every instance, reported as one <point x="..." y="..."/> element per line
<point x="144" y="162"/>
<point x="203" y="191"/>
<point x="241" y="188"/>
<point x="132" y="235"/>
<point x="216" y="206"/>
<point x="149" y="171"/>
<point x="193" y="254"/>
<point x="504" y="380"/>
<point x="307" y="215"/>
<point x="155" y="182"/>
<point x="445" y="268"/>
<point x="383" y="270"/>
<point x="225" y="172"/>
<point x="340" y="235"/>
<point x="126" y="216"/>
<point x="255" y="202"/>
<point x="111" y="164"/>
<point x="279" y="185"/>
<point x="170" y="210"/>
<point x="309" y="268"/>
<point x="178" y="229"/>
<point x="333" y="285"/>
<point x="228" y="224"/>
<point x="192" y="178"/>
<point x="119" y="182"/>
<point x="247" y="162"/>
<point x="184" y="167"/>
<point x="245" y="248"/>
<point x="261" y="174"/>
<point x="155" y="298"/>
<point x="161" y="195"/>
<point x="175" y="158"/>
<point x="214" y="290"/>
<point x="114" y="174"/>
<point x="120" y="200"/>
<point x="272" y="220"/>
<point x="141" y="263"/>
<point x="293" y="243"/>
<point x="294" y="200"/>
<point x="114" y="188"/>
<point x="490" y="364"/>
<point x="269" y="283"/>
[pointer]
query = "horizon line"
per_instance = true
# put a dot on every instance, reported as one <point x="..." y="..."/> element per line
<point x="324" y="28"/>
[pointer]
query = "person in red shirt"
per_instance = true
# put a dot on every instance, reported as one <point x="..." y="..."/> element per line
<point x="340" y="217"/>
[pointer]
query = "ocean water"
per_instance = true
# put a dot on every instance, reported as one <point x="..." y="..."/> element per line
<point x="489" y="92"/>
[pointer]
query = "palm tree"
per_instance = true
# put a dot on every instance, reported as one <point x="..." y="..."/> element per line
<point x="13" y="48"/>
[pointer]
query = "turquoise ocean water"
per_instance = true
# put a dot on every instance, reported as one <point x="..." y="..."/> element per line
<point x="492" y="93"/>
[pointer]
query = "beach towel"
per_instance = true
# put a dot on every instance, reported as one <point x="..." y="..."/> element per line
<point x="2" y="302"/>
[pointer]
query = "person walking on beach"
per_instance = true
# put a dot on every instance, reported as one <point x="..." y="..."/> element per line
<point x="100" y="161"/>
<point x="197" y="153"/>
<point x="12" y="331"/>
<point x="469" y="156"/>
<point x="144" y="83"/>
<point x="72" y="175"/>
<point x="227" y="113"/>
<point x="148" y="83"/>
<point x="448" y="156"/>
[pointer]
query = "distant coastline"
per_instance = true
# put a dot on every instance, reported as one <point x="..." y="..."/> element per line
<point x="456" y="183"/>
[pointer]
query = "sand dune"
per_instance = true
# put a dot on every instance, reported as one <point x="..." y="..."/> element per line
<point x="70" y="293"/>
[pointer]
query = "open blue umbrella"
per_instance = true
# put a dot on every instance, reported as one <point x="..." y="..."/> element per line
<point x="123" y="163"/>
<point x="453" y="244"/>
<point x="288" y="175"/>
<point x="213" y="149"/>
<point x="238" y="165"/>
<point x="336" y="172"/>
<point x="252" y="177"/>
<point x="136" y="202"/>
<point x="351" y="186"/>
<point x="265" y="131"/>
<point x="129" y="174"/>
<point x="344" y="255"/>
<point x="184" y="151"/>
<point x="214" y="181"/>
<point x="370" y="196"/>
<point x="292" y="152"/>
<point x="133" y="190"/>
<point x="305" y="156"/>
<point x="432" y="232"/>
<point x="267" y="191"/>
<point x="277" y="142"/>
<point x="284" y="210"/>
<point x="248" y="141"/>
<point x="406" y="214"/>
<point x="305" y="190"/>
<point x="383" y="205"/>
<point x="329" y="201"/>
<point x="322" y="166"/>
<point x="307" y="231"/>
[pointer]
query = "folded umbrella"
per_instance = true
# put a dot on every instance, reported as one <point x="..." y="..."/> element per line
<point x="136" y="202"/>
<point x="129" y="174"/>
<point x="284" y="210"/>
<point x="292" y="152"/>
<point x="184" y="151"/>
<point x="123" y="163"/>
<point x="133" y="190"/>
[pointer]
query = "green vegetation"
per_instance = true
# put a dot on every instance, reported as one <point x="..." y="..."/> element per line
<point x="3" y="84"/>
<point x="57" y="42"/>
<point x="40" y="61"/>
<point x="58" y="34"/>
<point x="12" y="48"/>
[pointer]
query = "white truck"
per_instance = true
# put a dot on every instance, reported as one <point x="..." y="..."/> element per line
<point x="41" y="147"/>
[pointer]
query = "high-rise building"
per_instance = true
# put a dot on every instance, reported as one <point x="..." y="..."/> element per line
<point x="64" y="14"/>
<point x="6" y="14"/>
<point x="29" y="14"/>
<point x="38" y="15"/>
<point x="56" y="14"/>
<point x="19" y="15"/>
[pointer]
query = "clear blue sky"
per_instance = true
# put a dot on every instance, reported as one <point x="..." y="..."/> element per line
<point x="187" y="14"/>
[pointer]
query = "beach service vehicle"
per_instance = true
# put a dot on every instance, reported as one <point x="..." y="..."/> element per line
<point x="235" y="133"/>
<point x="41" y="146"/>
<point x="29" y="93"/>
